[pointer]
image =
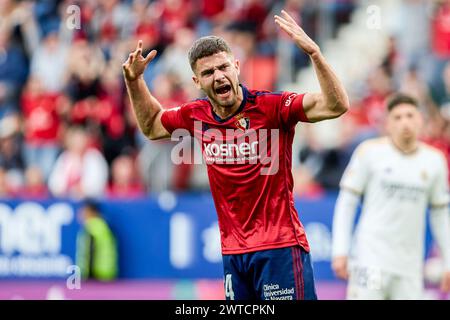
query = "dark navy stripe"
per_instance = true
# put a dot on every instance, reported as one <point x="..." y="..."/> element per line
<point x="294" y="267"/>
<point x="302" y="281"/>
<point x="260" y="93"/>
<point x="297" y="273"/>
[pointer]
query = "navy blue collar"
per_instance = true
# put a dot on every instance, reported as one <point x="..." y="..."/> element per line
<point x="244" y="101"/>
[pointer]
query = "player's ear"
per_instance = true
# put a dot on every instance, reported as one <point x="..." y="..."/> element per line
<point x="237" y="65"/>
<point x="196" y="82"/>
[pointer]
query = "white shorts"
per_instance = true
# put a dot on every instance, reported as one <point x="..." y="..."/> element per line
<point x="366" y="283"/>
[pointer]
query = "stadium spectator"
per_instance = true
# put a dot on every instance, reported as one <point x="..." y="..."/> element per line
<point x="80" y="170"/>
<point x="440" y="31"/>
<point x="305" y="186"/>
<point x="111" y="21"/>
<point x="43" y="113"/>
<point x="412" y="35"/>
<point x="158" y="170"/>
<point x="13" y="73"/>
<point x="257" y="70"/>
<point x="441" y="90"/>
<point x="371" y="110"/>
<point x="174" y="60"/>
<point x="19" y="20"/>
<point x="146" y="25"/>
<point x="414" y="85"/>
<point x="174" y="15"/>
<point x="108" y="115"/>
<point x="34" y="185"/>
<point x="85" y="66"/>
<point x="211" y="14"/>
<point x="11" y="160"/>
<point x="125" y="182"/>
<point x="49" y="63"/>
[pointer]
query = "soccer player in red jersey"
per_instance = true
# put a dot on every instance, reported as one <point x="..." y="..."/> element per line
<point x="246" y="138"/>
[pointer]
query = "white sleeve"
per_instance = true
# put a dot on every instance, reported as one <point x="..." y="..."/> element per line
<point x="343" y="219"/>
<point x="440" y="227"/>
<point x="357" y="172"/>
<point x="439" y="213"/>
<point x="57" y="181"/>
<point x="439" y="191"/>
<point x="95" y="174"/>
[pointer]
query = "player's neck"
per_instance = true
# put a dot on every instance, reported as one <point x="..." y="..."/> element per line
<point x="225" y="112"/>
<point x="405" y="146"/>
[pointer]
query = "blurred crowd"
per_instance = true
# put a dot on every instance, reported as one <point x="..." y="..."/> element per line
<point x="66" y="126"/>
<point x="416" y="62"/>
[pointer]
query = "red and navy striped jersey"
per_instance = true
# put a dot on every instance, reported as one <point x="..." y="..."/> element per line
<point x="248" y="157"/>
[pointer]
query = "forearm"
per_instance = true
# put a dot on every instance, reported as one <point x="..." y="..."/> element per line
<point x="333" y="91"/>
<point x="344" y="215"/>
<point x="146" y="107"/>
<point x="440" y="227"/>
<point x="332" y="101"/>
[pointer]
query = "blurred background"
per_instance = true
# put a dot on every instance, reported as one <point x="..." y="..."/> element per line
<point x="67" y="133"/>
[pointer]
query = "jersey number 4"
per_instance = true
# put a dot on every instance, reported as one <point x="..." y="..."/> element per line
<point x="229" y="293"/>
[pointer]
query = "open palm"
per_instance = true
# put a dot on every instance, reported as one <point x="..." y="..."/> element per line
<point x="135" y="65"/>
<point x="301" y="39"/>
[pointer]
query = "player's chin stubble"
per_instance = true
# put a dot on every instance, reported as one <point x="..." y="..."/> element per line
<point x="228" y="104"/>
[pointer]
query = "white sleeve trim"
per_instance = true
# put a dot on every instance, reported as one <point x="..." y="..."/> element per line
<point x="440" y="227"/>
<point x="343" y="219"/>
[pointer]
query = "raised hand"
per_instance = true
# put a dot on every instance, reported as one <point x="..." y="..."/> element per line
<point x="135" y="65"/>
<point x="301" y="39"/>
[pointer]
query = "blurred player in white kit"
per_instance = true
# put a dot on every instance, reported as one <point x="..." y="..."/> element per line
<point x="399" y="177"/>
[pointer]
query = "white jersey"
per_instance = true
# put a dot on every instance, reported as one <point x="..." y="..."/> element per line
<point x="397" y="190"/>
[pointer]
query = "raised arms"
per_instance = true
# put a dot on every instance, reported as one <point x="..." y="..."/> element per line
<point x="332" y="101"/>
<point x="146" y="108"/>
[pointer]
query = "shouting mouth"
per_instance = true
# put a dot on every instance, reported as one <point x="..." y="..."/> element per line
<point x="223" y="90"/>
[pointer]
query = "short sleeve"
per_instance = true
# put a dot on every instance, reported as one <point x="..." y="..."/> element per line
<point x="175" y="118"/>
<point x="356" y="174"/>
<point x="291" y="109"/>
<point x="439" y="191"/>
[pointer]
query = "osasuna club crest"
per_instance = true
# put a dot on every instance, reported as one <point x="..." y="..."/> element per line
<point x="242" y="123"/>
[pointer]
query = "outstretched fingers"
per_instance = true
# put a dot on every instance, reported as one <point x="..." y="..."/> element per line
<point x="136" y="53"/>
<point x="283" y="20"/>
<point x="150" y="56"/>
<point x="139" y="48"/>
<point x="136" y="63"/>
<point x="283" y="24"/>
<point x="288" y="17"/>
<point x="125" y="65"/>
